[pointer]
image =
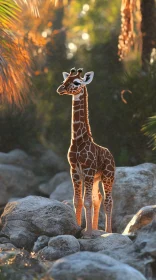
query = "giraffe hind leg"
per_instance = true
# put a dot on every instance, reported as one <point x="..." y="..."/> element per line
<point x="108" y="205"/>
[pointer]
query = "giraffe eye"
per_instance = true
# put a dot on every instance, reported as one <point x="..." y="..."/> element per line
<point x="76" y="83"/>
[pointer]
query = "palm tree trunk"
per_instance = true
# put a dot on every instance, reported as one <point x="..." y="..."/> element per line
<point x="148" y="29"/>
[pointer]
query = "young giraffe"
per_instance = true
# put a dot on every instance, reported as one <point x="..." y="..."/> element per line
<point x="89" y="162"/>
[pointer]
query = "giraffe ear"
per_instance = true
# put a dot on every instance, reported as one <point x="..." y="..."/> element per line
<point x="65" y="75"/>
<point x="88" y="77"/>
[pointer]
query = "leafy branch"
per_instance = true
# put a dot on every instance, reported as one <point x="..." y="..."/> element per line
<point x="149" y="129"/>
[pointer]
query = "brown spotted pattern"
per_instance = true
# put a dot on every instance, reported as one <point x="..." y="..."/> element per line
<point x="90" y="163"/>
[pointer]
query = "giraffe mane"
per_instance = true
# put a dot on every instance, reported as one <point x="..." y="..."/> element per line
<point x="86" y="112"/>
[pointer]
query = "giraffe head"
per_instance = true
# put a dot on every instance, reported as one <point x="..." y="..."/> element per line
<point x="74" y="83"/>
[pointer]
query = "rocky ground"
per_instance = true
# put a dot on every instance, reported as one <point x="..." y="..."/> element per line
<point x="40" y="239"/>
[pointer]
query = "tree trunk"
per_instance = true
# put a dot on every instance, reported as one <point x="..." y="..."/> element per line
<point x="148" y="29"/>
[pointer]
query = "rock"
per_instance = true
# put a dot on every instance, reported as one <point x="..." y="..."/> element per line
<point x="63" y="191"/>
<point x="17" y="158"/>
<point x="6" y="254"/>
<point x="12" y="199"/>
<point x="49" y="187"/>
<point x="146" y="239"/>
<point x="147" y="244"/>
<point x="20" y="265"/>
<point x="108" y="241"/>
<point x="129" y="254"/>
<point x="51" y="162"/>
<point x="141" y="254"/>
<point x="59" y="247"/>
<point x="91" y="266"/>
<point x="141" y="219"/>
<point x="40" y="243"/>
<point x="7" y="247"/>
<point x="26" y="219"/>
<point x="134" y="188"/>
<point x="4" y="240"/>
<point x="95" y="234"/>
<point x="16" y="181"/>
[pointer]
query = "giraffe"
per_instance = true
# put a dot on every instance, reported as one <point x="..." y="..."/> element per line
<point x="89" y="162"/>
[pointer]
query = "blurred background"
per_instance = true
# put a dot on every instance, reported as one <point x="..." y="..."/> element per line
<point x="115" y="39"/>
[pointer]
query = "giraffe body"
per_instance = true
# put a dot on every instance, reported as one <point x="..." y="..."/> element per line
<point x="89" y="162"/>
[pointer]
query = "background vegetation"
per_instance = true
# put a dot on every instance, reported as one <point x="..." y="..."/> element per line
<point x="84" y="34"/>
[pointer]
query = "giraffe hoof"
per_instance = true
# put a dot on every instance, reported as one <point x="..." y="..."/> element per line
<point x="86" y="234"/>
<point x="109" y="231"/>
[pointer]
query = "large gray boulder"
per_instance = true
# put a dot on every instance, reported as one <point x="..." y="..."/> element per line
<point x="109" y="241"/>
<point x="91" y="266"/>
<point x="144" y="217"/>
<point x="64" y="191"/>
<point x="141" y="254"/>
<point x="51" y="162"/>
<point x="18" y="158"/>
<point x="131" y="254"/>
<point x="146" y="240"/>
<point x="50" y="186"/>
<point x="26" y="219"/>
<point x="59" y="246"/>
<point x="16" y="181"/>
<point x="134" y="188"/>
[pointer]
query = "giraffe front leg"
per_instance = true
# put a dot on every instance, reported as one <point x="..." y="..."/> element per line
<point x="77" y="199"/>
<point x="97" y="199"/>
<point x="88" y="186"/>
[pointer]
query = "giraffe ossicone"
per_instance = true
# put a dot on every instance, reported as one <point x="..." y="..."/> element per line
<point x="89" y="162"/>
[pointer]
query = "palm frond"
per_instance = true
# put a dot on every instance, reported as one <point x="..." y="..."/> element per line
<point x="14" y="69"/>
<point x="149" y="129"/>
<point x="9" y="12"/>
<point x="33" y="5"/>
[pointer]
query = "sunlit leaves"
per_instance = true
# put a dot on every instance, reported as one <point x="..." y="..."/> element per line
<point x="34" y="5"/>
<point x="14" y="69"/>
<point x="14" y="59"/>
<point x="15" y="62"/>
<point x="9" y="12"/>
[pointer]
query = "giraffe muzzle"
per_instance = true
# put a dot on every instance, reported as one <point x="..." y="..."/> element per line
<point x="61" y="90"/>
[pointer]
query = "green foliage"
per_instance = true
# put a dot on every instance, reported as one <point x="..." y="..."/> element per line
<point x="149" y="129"/>
<point x="9" y="11"/>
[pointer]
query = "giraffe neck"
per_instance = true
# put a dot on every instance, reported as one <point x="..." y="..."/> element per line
<point x="80" y="121"/>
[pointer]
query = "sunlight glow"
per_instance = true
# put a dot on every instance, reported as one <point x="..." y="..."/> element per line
<point x="153" y="56"/>
<point x="85" y="7"/>
<point x="82" y="13"/>
<point x="70" y="55"/>
<point x="85" y="36"/>
<point x="72" y="47"/>
<point x="44" y="34"/>
<point x="40" y="50"/>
